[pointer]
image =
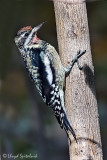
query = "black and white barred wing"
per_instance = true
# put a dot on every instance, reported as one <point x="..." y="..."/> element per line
<point x="46" y="84"/>
<point x="43" y="73"/>
<point x="59" y="111"/>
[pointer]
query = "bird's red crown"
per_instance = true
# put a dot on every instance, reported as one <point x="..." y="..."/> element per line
<point x="28" y="28"/>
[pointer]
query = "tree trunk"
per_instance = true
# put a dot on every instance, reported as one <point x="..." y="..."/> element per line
<point x="80" y="96"/>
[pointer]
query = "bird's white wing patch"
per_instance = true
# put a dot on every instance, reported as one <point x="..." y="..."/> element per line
<point x="48" y="68"/>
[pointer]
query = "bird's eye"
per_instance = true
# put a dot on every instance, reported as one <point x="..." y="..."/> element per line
<point x="26" y="34"/>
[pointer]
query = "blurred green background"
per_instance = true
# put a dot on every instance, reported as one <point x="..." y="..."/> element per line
<point x="26" y="124"/>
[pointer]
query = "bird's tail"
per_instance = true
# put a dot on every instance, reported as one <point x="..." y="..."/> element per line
<point x="67" y="127"/>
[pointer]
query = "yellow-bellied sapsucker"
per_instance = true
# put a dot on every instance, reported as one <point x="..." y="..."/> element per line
<point x="45" y="67"/>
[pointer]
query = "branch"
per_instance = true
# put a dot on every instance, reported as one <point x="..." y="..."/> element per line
<point x="80" y="97"/>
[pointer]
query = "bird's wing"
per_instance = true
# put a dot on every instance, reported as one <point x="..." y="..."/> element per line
<point x="42" y="72"/>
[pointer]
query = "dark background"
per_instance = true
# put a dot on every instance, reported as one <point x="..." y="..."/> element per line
<point x="26" y="124"/>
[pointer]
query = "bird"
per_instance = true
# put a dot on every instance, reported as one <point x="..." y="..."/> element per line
<point x="45" y="68"/>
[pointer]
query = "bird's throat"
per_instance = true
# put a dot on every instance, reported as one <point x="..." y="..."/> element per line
<point x="35" y="39"/>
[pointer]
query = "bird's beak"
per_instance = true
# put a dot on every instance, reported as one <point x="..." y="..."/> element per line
<point x="35" y="29"/>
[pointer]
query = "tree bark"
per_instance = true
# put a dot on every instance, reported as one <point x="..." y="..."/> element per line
<point x="80" y="96"/>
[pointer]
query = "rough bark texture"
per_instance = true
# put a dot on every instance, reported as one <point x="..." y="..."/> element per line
<point x="80" y="96"/>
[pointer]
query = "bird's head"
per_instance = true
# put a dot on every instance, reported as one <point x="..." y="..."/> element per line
<point x="27" y="35"/>
<point x="22" y="35"/>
